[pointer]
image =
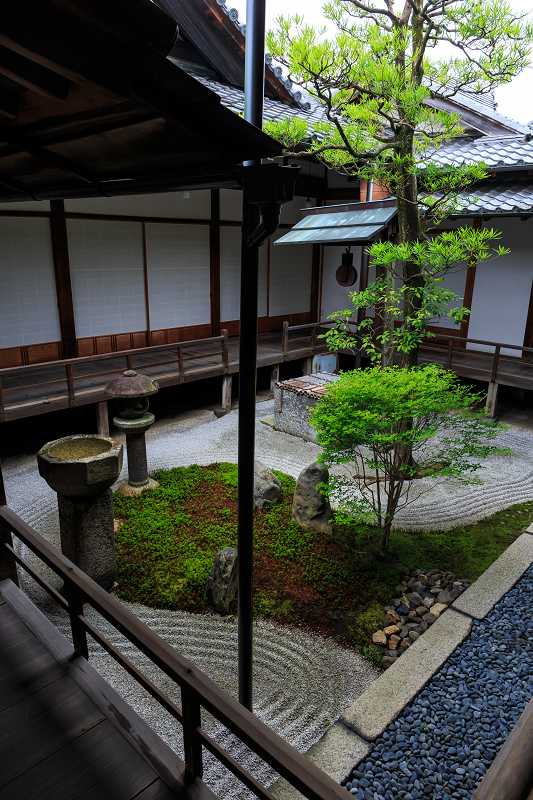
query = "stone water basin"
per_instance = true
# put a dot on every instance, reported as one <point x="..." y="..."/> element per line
<point x="80" y="466"/>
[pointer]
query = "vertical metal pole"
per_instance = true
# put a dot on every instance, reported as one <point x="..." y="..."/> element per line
<point x="247" y="394"/>
<point x="254" y="63"/>
<point x="253" y="112"/>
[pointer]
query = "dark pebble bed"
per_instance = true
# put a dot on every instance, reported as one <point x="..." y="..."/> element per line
<point x="442" y="744"/>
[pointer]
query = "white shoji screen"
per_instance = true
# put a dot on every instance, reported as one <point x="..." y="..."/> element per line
<point x="178" y="274"/>
<point x="106" y="267"/>
<point x="28" y="303"/>
<point x="230" y="272"/>
<point x="290" y="277"/>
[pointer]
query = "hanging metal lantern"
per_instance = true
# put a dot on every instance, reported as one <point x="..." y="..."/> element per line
<point x="346" y="274"/>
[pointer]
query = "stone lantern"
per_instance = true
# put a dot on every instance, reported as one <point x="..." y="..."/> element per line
<point x="131" y="392"/>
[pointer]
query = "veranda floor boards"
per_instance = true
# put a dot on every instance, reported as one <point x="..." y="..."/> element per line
<point x="64" y="733"/>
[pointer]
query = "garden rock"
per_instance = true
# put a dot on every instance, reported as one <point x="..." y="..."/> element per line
<point x="267" y="488"/>
<point x="221" y="586"/>
<point x="310" y="508"/>
<point x="408" y="616"/>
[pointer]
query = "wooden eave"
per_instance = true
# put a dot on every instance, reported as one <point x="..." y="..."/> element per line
<point x="208" y="27"/>
<point x="483" y="123"/>
<point x="90" y="107"/>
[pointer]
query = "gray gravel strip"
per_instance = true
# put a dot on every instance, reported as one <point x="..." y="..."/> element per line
<point x="445" y="740"/>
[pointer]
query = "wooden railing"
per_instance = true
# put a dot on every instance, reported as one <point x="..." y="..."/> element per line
<point x="490" y="364"/>
<point x="197" y="690"/>
<point x="309" y="342"/>
<point x="77" y="370"/>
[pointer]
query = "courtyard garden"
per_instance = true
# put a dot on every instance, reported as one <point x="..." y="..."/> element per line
<point x="335" y="585"/>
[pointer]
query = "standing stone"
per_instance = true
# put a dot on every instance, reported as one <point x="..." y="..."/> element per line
<point x="221" y="586"/>
<point x="267" y="488"/>
<point x="310" y="508"/>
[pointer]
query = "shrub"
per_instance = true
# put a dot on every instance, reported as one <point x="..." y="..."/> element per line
<point x="385" y="428"/>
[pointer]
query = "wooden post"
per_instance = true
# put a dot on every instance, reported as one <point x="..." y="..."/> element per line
<point x="469" y="287"/>
<point x="307" y="365"/>
<point x="227" y="382"/>
<point x="285" y="340"/>
<point x="192" y="745"/>
<point x="8" y="567"/>
<point x="65" y="304"/>
<point x="75" y="610"/>
<point x="102" y="418"/>
<point x="274" y="378"/>
<point x="214" y="261"/>
<point x="492" y="399"/>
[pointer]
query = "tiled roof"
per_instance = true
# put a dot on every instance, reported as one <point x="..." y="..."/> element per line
<point x="311" y="385"/>
<point x="233" y="98"/>
<point x="498" y="197"/>
<point x="299" y="96"/>
<point x="501" y="152"/>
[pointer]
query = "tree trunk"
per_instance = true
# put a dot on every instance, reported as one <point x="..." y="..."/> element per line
<point x="384" y="539"/>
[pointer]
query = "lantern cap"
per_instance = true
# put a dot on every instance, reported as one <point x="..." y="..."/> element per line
<point x="130" y="384"/>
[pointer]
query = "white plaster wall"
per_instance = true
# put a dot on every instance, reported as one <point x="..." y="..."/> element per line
<point x="290" y="277"/>
<point x="28" y="303"/>
<point x="178" y="274"/>
<point x="334" y="296"/>
<point x="166" y="204"/>
<point x="230" y="272"/>
<point x="106" y="268"/>
<point x="231" y="205"/>
<point x="502" y="288"/>
<point x="453" y="282"/>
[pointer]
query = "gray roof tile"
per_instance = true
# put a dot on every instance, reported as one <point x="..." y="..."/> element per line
<point x="498" y="197"/>
<point x="502" y="152"/>
<point x="233" y="98"/>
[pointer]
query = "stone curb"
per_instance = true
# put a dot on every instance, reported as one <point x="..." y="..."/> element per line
<point x="381" y="703"/>
<point x="336" y="752"/>
<point x="347" y="742"/>
<point x="501" y="576"/>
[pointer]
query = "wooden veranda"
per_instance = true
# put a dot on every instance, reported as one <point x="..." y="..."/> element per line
<point x="64" y="732"/>
<point x="39" y="388"/>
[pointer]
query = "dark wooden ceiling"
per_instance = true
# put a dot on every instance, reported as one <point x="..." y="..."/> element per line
<point x="90" y="105"/>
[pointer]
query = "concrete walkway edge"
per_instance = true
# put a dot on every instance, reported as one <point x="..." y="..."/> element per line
<point x="348" y="740"/>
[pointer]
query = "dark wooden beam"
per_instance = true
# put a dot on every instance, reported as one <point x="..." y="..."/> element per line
<point x="528" y="332"/>
<point x="9" y="103"/>
<point x="214" y="262"/>
<point x="26" y="145"/>
<point x="469" y="285"/>
<point x="75" y="51"/>
<point x="33" y="76"/>
<point x="18" y="187"/>
<point x="65" y="304"/>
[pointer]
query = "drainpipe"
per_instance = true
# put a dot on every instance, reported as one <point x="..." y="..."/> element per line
<point x="254" y="82"/>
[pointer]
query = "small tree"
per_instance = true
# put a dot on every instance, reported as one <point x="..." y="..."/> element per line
<point x="371" y="422"/>
<point x="377" y="80"/>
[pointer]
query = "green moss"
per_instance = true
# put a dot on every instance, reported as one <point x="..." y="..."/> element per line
<point x="338" y="584"/>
